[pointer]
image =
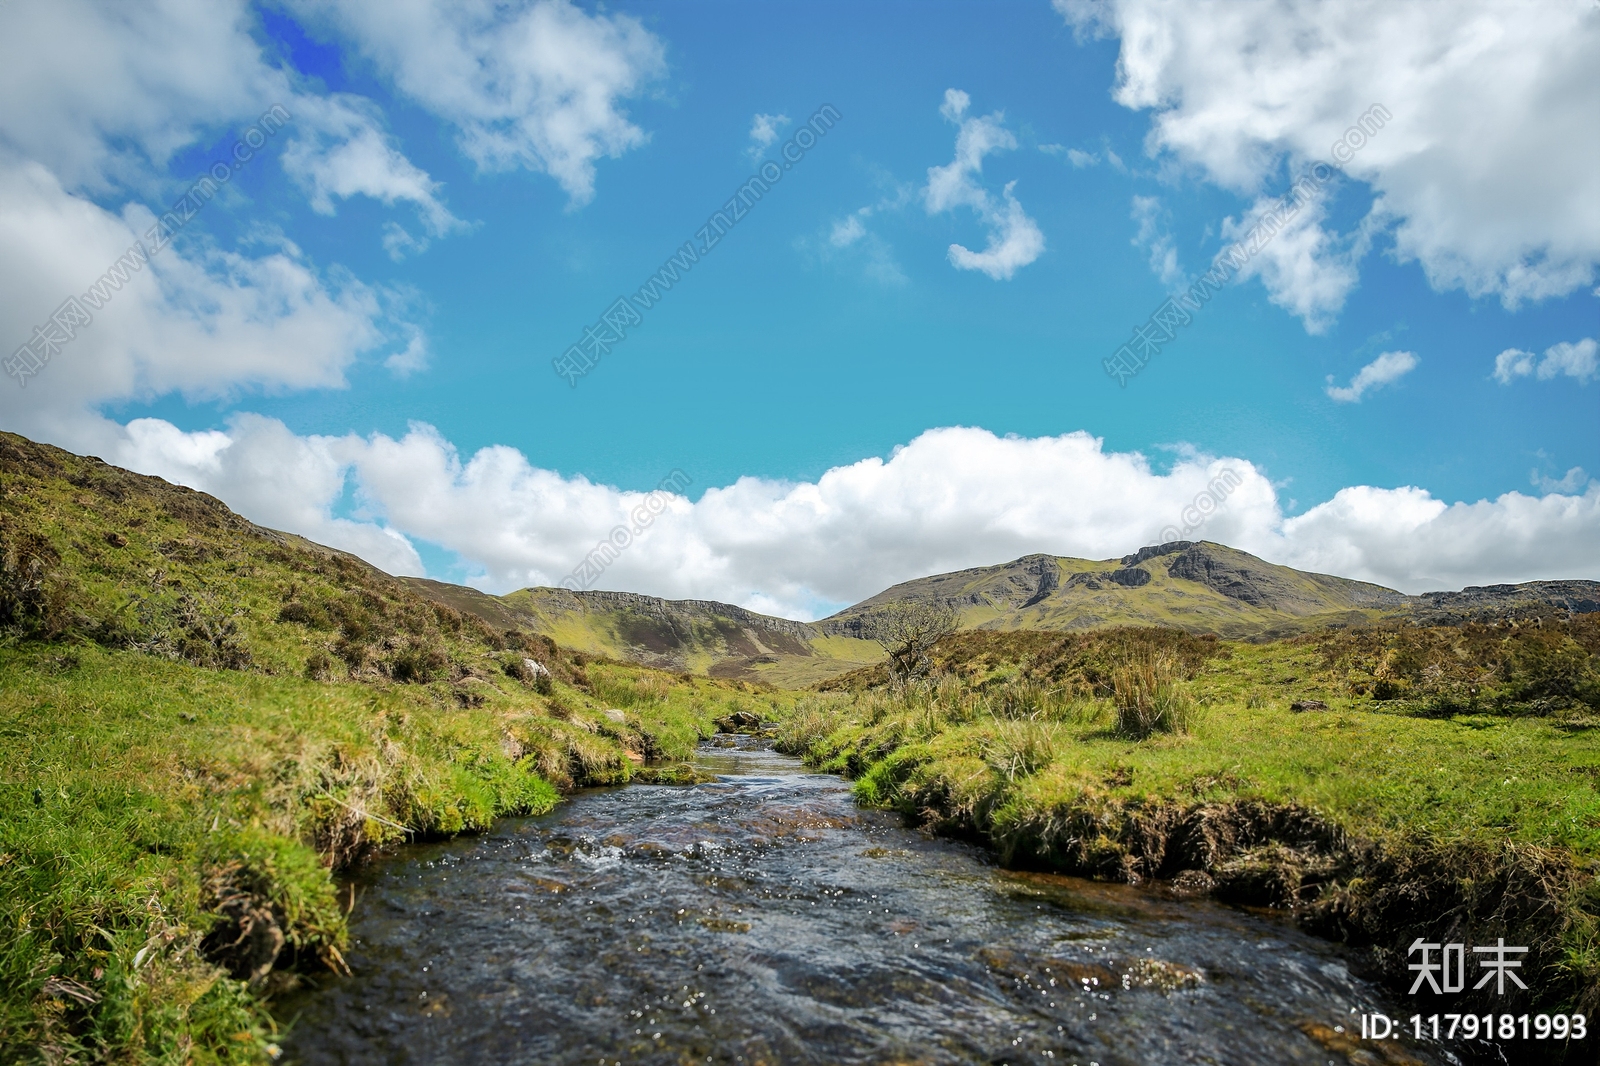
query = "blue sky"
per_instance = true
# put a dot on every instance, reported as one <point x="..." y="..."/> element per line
<point x="817" y="334"/>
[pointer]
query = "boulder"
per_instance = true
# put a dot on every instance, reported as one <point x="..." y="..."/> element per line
<point x="739" y="722"/>
<point x="1308" y="705"/>
<point x="615" y="715"/>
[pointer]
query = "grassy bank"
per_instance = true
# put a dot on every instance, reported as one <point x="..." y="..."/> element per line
<point x="1453" y="811"/>
<point x="204" y="721"/>
<point x="170" y="835"/>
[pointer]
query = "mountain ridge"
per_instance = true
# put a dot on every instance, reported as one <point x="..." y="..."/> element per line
<point x="1197" y="586"/>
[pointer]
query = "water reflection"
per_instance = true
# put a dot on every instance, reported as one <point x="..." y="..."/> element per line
<point x="763" y="918"/>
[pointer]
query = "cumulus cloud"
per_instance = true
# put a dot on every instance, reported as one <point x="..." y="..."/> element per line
<point x="341" y="150"/>
<point x="1487" y="170"/>
<point x="764" y="131"/>
<point x="167" y="74"/>
<point x="1306" y="270"/>
<point x="951" y="498"/>
<point x="1573" y="359"/>
<point x="1388" y="367"/>
<point x="1513" y="363"/>
<point x="161" y="73"/>
<point x="536" y="85"/>
<point x="1015" y="240"/>
<point x="200" y="321"/>
<point x="268" y="474"/>
<point x="160" y="313"/>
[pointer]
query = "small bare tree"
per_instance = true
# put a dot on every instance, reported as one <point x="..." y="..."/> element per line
<point x="907" y="629"/>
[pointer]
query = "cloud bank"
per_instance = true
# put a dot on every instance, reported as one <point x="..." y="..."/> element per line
<point x="1487" y="174"/>
<point x="952" y="498"/>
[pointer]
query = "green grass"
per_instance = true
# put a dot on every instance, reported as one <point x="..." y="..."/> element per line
<point x="1483" y="817"/>
<point x="136" y="793"/>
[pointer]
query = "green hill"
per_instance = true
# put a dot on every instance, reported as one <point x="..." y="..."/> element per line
<point x="1196" y="586"/>
<point x="689" y="636"/>
<point x="1199" y="587"/>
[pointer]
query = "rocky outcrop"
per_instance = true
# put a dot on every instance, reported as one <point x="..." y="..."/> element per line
<point x="1169" y="548"/>
<point x="1130" y="576"/>
<point x="1248" y="584"/>
<point x="1490" y="603"/>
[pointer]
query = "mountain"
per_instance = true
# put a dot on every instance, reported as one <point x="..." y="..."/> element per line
<point x="1192" y="585"/>
<point x="123" y="557"/>
<point x="694" y="636"/>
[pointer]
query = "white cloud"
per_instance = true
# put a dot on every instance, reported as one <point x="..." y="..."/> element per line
<point x="1015" y="240"/>
<point x="1155" y="239"/>
<point x="1574" y="359"/>
<point x="399" y="242"/>
<point x="952" y="498"/>
<point x="1306" y="270"/>
<point x="1512" y="363"/>
<point x="341" y="151"/>
<point x="193" y="319"/>
<point x="1488" y="170"/>
<point x="763" y="132"/>
<point x="1081" y="159"/>
<point x="413" y="358"/>
<point x="165" y="74"/>
<point x="267" y="474"/>
<point x="850" y="242"/>
<point x="527" y="85"/>
<point x="847" y="231"/>
<point x="1390" y="366"/>
<point x="1576" y="479"/>
<point x="101" y="93"/>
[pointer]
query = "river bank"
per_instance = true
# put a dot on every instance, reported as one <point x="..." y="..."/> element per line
<point x="1371" y="824"/>
<point x="171" y="836"/>
<point x="765" y="917"/>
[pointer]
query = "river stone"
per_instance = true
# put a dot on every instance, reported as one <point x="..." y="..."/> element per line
<point x="739" y="722"/>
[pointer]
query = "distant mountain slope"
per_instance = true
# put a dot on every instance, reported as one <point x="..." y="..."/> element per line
<point x="88" y="547"/>
<point x="1197" y="586"/>
<point x="696" y="636"/>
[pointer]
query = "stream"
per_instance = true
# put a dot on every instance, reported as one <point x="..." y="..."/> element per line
<point x="766" y="919"/>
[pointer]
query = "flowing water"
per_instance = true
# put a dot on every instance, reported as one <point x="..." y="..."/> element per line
<point x="764" y="918"/>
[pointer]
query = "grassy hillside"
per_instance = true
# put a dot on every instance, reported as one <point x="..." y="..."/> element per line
<point x="1443" y="783"/>
<point x="1200" y="587"/>
<point x="206" y="721"/>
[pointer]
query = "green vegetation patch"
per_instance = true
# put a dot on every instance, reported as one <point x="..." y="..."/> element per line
<point x="1374" y="820"/>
